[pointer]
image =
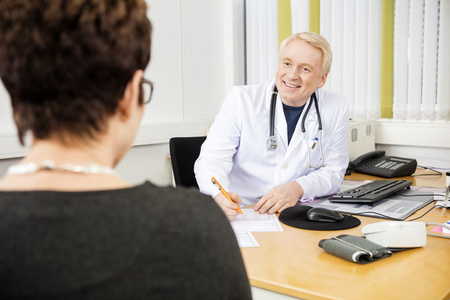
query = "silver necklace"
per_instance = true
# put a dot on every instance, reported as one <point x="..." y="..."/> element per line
<point x="49" y="165"/>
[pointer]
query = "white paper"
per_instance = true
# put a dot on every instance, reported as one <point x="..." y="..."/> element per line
<point x="246" y="239"/>
<point x="251" y="220"/>
<point x="434" y="163"/>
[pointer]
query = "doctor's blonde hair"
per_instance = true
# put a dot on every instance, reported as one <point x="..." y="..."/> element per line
<point x="316" y="40"/>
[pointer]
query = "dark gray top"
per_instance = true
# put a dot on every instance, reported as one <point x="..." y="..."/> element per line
<point x="143" y="242"/>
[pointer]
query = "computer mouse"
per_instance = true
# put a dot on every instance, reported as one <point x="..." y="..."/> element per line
<point x="320" y="214"/>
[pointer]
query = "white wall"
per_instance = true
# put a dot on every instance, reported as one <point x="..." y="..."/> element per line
<point x="414" y="139"/>
<point x="149" y="162"/>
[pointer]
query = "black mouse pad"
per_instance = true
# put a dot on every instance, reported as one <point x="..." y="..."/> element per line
<point x="295" y="216"/>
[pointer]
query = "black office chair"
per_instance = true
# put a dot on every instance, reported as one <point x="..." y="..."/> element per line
<point x="184" y="151"/>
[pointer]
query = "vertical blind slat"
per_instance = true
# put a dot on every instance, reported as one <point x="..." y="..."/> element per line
<point x="401" y="15"/>
<point x="374" y="59"/>
<point x="300" y="15"/>
<point x="348" y="59"/>
<point x="429" y="59"/>
<point x="443" y="87"/>
<point x="361" y="42"/>
<point x="263" y="40"/>
<point x="421" y="60"/>
<point x="336" y="42"/>
<point x="325" y="29"/>
<point x="272" y="46"/>
<point x="415" y="61"/>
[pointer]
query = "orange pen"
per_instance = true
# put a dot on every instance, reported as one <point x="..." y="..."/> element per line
<point x="215" y="182"/>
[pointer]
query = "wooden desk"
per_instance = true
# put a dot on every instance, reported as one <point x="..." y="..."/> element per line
<point x="292" y="263"/>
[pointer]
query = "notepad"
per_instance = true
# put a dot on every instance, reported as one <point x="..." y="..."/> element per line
<point x="251" y="221"/>
<point x="255" y="222"/>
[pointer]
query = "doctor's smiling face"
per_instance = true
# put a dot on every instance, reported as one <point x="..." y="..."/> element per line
<point x="300" y="72"/>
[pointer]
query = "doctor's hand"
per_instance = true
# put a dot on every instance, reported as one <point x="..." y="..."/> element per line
<point x="229" y="207"/>
<point x="279" y="198"/>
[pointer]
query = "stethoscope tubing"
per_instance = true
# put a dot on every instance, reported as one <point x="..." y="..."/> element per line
<point x="273" y="103"/>
<point x="319" y="119"/>
<point x="272" y="144"/>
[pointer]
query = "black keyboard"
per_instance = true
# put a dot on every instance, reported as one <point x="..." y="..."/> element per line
<point x="371" y="192"/>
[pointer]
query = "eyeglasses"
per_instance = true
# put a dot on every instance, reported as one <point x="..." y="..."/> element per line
<point x="146" y="91"/>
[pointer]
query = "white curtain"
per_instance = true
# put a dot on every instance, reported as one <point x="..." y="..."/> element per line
<point x="422" y="74"/>
<point x="401" y="16"/>
<point x="261" y="40"/>
<point x="443" y="81"/>
<point x="354" y="30"/>
<point x="300" y="15"/>
<point x="430" y="57"/>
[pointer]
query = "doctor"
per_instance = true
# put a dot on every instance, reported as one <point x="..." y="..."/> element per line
<point x="303" y="162"/>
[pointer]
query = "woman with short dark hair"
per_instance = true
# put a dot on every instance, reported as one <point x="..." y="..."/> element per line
<point x="70" y="227"/>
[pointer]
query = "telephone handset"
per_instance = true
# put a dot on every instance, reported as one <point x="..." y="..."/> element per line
<point x="376" y="163"/>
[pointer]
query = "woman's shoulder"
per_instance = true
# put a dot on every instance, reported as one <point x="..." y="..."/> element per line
<point x="168" y="192"/>
<point x="177" y="199"/>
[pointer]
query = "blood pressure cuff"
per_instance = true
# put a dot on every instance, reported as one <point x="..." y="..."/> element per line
<point x="354" y="248"/>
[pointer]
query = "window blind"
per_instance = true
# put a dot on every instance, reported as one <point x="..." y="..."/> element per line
<point x="354" y="28"/>
<point x="421" y="67"/>
<point x="261" y="40"/>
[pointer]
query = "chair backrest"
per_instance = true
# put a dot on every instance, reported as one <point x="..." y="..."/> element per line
<point x="184" y="151"/>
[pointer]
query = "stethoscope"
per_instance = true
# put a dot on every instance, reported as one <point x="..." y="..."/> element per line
<point x="272" y="143"/>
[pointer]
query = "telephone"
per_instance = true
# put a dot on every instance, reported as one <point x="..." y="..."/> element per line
<point x="376" y="163"/>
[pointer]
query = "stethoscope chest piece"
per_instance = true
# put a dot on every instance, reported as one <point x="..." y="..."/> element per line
<point x="271" y="143"/>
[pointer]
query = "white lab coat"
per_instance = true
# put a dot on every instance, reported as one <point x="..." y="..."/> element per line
<point x="236" y="154"/>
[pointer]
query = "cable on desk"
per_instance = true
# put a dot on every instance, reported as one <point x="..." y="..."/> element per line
<point x="428" y="168"/>
<point x="424" y="213"/>
<point x="370" y="214"/>
<point x="426" y="224"/>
